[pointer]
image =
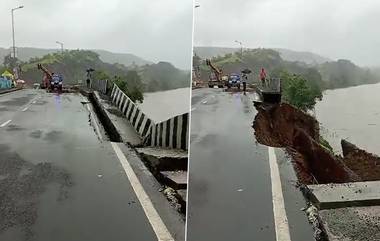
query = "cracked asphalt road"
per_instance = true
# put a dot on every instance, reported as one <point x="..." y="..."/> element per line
<point x="58" y="181"/>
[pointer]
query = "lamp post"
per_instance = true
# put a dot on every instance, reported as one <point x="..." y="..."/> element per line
<point x="241" y="49"/>
<point x="13" y="30"/>
<point x="60" y="43"/>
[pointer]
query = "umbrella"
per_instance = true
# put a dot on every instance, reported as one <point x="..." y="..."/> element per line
<point x="246" y="71"/>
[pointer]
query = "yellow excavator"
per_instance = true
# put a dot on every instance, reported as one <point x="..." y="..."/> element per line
<point x="216" y="78"/>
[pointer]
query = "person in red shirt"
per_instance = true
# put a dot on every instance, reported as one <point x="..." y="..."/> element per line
<point x="263" y="76"/>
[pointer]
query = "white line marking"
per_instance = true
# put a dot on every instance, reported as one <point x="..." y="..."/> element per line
<point x="5" y="123"/>
<point x="155" y="220"/>
<point x="25" y="109"/>
<point x="280" y="219"/>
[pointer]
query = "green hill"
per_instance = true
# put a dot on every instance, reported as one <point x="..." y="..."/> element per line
<point x="25" y="54"/>
<point x="286" y="54"/>
<point x="326" y="75"/>
<point x="73" y="64"/>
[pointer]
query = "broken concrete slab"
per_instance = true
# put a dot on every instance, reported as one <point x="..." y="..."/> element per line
<point x="175" y="179"/>
<point x="183" y="194"/>
<point x="124" y="129"/>
<point x="163" y="159"/>
<point x="352" y="224"/>
<point x="353" y="194"/>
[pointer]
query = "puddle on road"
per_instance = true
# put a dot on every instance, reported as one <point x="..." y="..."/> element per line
<point x="36" y="134"/>
<point x="22" y="184"/>
<point x="53" y="136"/>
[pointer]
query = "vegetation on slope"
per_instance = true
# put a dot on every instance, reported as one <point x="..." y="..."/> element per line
<point x="310" y="80"/>
<point x="73" y="64"/>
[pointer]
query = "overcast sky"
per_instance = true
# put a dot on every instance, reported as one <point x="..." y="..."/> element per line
<point x="332" y="28"/>
<point x="154" y="30"/>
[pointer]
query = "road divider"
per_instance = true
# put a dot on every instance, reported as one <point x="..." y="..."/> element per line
<point x="280" y="218"/>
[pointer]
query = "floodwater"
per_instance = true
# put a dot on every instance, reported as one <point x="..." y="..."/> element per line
<point x="163" y="105"/>
<point x="353" y="114"/>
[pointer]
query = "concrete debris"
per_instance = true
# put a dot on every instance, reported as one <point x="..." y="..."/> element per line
<point x="173" y="197"/>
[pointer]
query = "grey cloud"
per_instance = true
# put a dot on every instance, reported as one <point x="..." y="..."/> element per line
<point x="155" y="30"/>
<point x="333" y="28"/>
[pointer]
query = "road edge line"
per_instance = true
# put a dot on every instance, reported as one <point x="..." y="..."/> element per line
<point x="5" y="123"/>
<point x="154" y="218"/>
<point x="279" y="212"/>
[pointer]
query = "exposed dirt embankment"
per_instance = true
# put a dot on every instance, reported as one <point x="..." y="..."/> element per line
<point x="365" y="164"/>
<point x="286" y="126"/>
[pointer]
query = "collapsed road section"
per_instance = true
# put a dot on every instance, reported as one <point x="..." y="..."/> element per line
<point x="339" y="208"/>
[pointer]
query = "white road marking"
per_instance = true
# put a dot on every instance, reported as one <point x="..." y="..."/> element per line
<point x="192" y="109"/>
<point x="5" y="123"/>
<point x="25" y="109"/>
<point x="280" y="218"/>
<point x="155" y="220"/>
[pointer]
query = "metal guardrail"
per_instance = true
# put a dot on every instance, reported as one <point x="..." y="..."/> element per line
<point x="100" y="86"/>
<point x="272" y="85"/>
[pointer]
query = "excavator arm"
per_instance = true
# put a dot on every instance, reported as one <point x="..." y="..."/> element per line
<point x="216" y="70"/>
<point x="45" y="70"/>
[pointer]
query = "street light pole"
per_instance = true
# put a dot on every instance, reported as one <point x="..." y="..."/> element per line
<point x="60" y="43"/>
<point x="13" y="30"/>
<point x="241" y="49"/>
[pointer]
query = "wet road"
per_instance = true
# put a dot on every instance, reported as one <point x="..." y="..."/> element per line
<point x="58" y="181"/>
<point x="230" y="195"/>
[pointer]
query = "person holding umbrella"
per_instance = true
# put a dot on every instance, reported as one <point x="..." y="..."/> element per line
<point x="245" y="78"/>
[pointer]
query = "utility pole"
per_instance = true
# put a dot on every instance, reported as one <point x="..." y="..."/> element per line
<point x="60" y="43"/>
<point x="13" y="30"/>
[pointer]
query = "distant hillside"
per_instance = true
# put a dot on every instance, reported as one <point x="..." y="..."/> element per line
<point x="163" y="76"/>
<point x="328" y="75"/>
<point x="209" y="52"/>
<point x="25" y="54"/>
<point x="286" y="54"/>
<point x="305" y="57"/>
<point x="73" y="64"/>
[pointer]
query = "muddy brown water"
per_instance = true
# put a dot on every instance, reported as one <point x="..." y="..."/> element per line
<point x="163" y="105"/>
<point x="353" y="114"/>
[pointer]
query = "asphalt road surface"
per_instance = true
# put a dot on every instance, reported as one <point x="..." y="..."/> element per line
<point x="230" y="186"/>
<point x="58" y="181"/>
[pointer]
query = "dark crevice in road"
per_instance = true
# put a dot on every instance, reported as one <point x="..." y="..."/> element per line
<point x="22" y="184"/>
<point x="110" y="129"/>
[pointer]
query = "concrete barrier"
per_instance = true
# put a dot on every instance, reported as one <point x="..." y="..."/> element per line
<point x="172" y="133"/>
<point x="134" y="115"/>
